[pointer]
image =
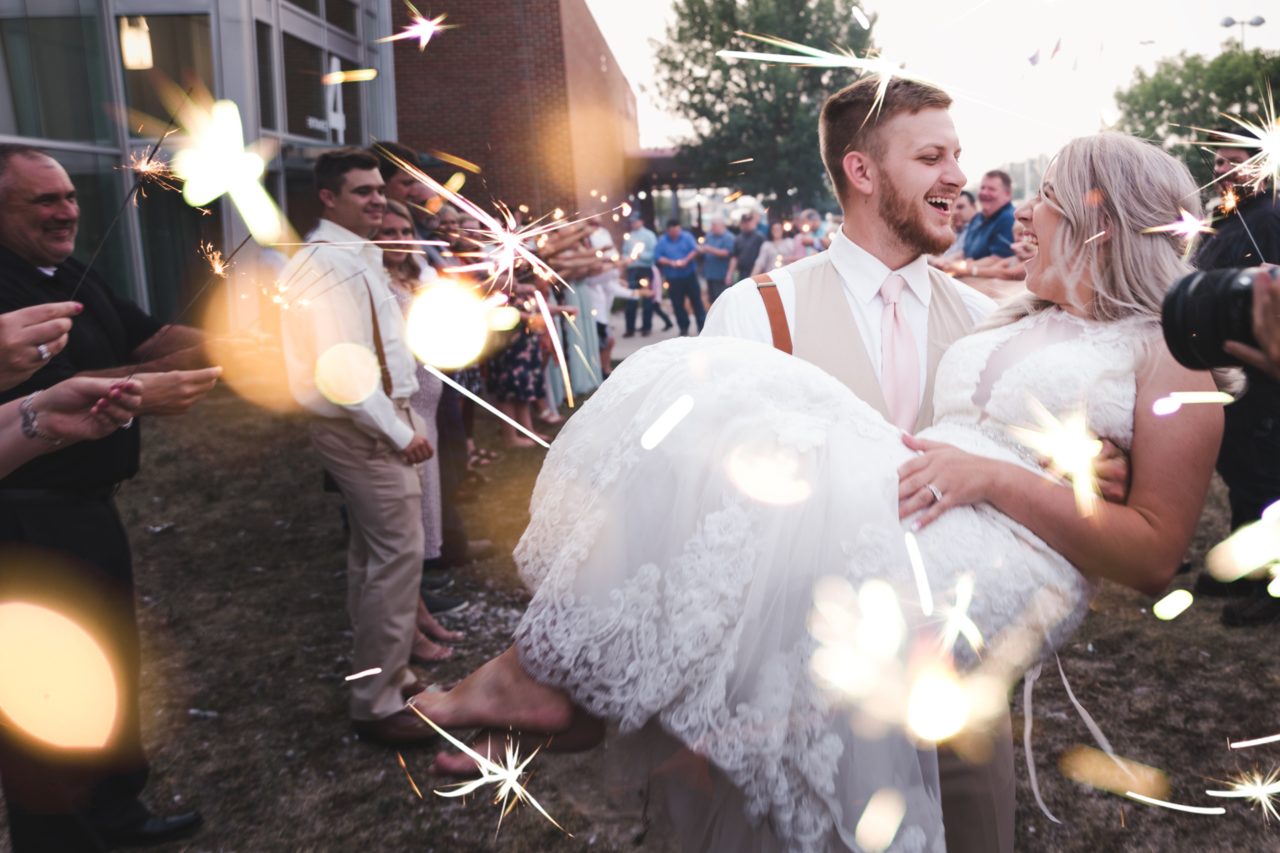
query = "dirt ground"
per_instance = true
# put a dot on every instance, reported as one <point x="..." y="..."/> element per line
<point x="241" y="589"/>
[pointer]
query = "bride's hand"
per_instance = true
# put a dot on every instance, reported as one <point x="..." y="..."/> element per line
<point x="939" y="478"/>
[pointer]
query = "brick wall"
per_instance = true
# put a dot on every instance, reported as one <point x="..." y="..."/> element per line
<point x="518" y="88"/>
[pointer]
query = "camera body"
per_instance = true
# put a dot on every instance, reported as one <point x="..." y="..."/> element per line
<point x="1204" y="310"/>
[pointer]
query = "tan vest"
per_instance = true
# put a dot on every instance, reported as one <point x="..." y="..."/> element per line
<point x="826" y="333"/>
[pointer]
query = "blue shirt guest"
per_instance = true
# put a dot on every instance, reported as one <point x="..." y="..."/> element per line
<point x="991" y="231"/>
<point x="716" y="249"/>
<point x="675" y="255"/>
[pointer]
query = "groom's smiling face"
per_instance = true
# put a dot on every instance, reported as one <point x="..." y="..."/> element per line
<point x="919" y="178"/>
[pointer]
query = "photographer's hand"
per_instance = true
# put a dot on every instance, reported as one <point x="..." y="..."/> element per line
<point x="1266" y="325"/>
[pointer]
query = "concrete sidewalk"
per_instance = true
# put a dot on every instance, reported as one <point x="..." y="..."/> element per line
<point x="626" y="346"/>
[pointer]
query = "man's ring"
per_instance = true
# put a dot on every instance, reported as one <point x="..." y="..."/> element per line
<point x="935" y="491"/>
<point x="45" y="355"/>
<point x="126" y="424"/>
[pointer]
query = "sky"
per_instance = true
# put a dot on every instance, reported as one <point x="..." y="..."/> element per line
<point x="1005" y="110"/>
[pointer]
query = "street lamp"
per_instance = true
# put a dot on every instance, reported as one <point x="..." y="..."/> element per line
<point x="1255" y="21"/>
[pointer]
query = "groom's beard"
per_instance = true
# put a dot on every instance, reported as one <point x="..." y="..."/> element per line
<point x="905" y="219"/>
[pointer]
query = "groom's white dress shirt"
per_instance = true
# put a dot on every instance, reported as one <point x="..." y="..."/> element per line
<point x="739" y="312"/>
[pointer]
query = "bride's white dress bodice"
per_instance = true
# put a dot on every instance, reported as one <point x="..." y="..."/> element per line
<point x="673" y="574"/>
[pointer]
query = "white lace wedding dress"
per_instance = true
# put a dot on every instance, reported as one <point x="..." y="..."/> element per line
<point x="672" y="586"/>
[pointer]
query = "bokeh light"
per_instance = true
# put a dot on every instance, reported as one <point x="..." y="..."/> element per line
<point x="1248" y="550"/>
<point x="347" y="374"/>
<point x="1172" y="605"/>
<point x="504" y="318"/>
<point x="769" y="475"/>
<point x="938" y="707"/>
<point x="56" y="683"/>
<point x="880" y="820"/>
<point x="448" y="326"/>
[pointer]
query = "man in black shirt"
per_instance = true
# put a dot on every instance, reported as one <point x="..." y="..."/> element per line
<point x="746" y="247"/>
<point x="61" y="539"/>
<point x="1248" y="234"/>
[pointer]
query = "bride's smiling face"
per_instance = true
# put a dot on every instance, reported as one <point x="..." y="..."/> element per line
<point x="1048" y="275"/>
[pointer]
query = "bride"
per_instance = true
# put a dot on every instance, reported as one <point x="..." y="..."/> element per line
<point x="685" y="517"/>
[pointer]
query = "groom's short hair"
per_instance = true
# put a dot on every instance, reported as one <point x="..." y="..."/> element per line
<point x="850" y="121"/>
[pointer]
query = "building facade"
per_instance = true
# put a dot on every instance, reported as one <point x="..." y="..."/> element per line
<point x="531" y="93"/>
<point x="80" y="79"/>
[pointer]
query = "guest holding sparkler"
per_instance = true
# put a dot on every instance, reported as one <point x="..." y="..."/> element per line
<point x="637" y="252"/>
<point x="1248" y="233"/>
<point x="405" y="276"/>
<point x="60" y="801"/>
<point x="368" y="446"/>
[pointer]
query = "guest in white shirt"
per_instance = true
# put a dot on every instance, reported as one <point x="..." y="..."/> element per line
<point x="350" y="367"/>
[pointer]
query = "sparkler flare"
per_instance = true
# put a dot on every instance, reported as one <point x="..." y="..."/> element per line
<point x="217" y="264"/>
<point x="876" y="65"/>
<point x="917" y="569"/>
<point x="556" y="344"/>
<point x="147" y="169"/>
<point x="355" y="75"/>
<point x="420" y="27"/>
<point x="1245" y="744"/>
<point x="364" y="673"/>
<point x="1259" y="789"/>
<point x="1188" y="227"/>
<point x="1175" y="401"/>
<point x="510" y="792"/>
<point x="448" y="326"/>
<point x="1262" y="137"/>
<point x="958" y="623"/>
<point x="1070" y="448"/>
<point x="216" y="163"/>
<point x="666" y="422"/>
<point x="1152" y="801"/>
<point x="409" y="776"/>
<point x="488" y="407"/>
<point x="938" y="707"/>
<point x="1172" y="605"/>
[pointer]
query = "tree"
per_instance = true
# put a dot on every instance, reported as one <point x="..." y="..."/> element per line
<point x="1185" y="92"/>
<point x="742" y="109"/>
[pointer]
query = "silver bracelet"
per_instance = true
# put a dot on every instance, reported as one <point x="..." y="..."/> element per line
<point x="30" y="423"/>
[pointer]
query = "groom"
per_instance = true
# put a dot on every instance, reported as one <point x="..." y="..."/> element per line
<point x="872" y="312"/>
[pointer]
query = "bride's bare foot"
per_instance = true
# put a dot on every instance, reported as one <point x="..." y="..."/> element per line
<point x="584" y="732"/>
<point x="440" y="633"/>
<point x="498" y="695"/>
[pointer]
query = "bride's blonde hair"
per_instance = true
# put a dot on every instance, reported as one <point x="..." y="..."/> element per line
<point x="1110" y="189"/>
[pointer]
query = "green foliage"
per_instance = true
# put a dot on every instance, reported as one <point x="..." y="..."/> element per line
<point x="743" y="109"/>
<point x="1185" y="92"/>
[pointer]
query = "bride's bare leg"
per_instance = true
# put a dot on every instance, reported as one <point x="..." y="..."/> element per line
<point x="584" y="732"/>
<point x="499" y="695"/>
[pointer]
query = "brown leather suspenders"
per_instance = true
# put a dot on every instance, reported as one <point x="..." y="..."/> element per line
<point x="777" y="316"/>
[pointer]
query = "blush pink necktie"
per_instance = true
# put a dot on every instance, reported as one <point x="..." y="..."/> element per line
<point x="899" y="358"/>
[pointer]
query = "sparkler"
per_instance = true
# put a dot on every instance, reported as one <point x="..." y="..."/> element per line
<point x="1259" y="789"/>
<point x="510" y="792"/>
<point x="1262" y="137"/>
<point x="556" y="344"/>
<point x="364" y="673"/>
<point x="1245" y="744"/>
<point x="958" y="622"/>
<point x="666" y="422"/>
<point x="409" y="776"/>
<point x="1071" y="449"/>
<point x="217" y="263"/>
<point x="420" y="27"/>
<point x="486" y="405"/>
<point x="917" y="569"/>
<point x="876" y="65"/>
<point x="1175" y="401"/>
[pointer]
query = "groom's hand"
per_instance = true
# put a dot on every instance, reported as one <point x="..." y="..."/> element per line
<point x="1111" y="470"/>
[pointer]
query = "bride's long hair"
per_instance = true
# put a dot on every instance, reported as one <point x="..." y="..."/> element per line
<point x="1110" y="189"/>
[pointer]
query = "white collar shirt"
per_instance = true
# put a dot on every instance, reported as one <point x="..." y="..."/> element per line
<point x="326" y="291"/>
<point x="739" y="311"/>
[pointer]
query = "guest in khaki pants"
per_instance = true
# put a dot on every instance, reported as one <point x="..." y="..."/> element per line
<point x="342" y="320"/>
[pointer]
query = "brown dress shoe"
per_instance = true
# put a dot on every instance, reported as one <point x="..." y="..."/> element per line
<point x="404" y="728"/>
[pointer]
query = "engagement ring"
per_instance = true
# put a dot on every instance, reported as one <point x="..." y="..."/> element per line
<point x="45" y="355"/>
<point x="935" y="491"/>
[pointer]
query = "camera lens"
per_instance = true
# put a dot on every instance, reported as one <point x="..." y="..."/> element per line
<point x="1204" y="310"/>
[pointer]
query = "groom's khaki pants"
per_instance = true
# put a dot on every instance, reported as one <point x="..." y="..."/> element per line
<point x="978" y="797"/>
<point x="383" y="494"/>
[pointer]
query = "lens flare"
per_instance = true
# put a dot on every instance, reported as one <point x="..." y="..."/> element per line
<point x="769" y="475"/>
<point x="448" y="326"/>
<point x="1172" y="605"/>
<point x="347" y="374"/>
<point x="1070" y="448"/>
<point x="355" y="75"/>
<point x="938" y="707"/>
<point x="1260" y="790"/>
<point x="420" y="27"/>
<point x="1093" y="767"/>
<point x="1248" y="550"/>
<point x="56" y="683"/>
<point x="880" y="820"/>
<point x="503" y="318"/>
<point x="666" y="422"/>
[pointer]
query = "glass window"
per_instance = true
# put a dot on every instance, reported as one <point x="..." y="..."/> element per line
<point x="179" y="47"/>
<point x="301" y="199"/>
<point x="312" y="6"/>
<point x="266" y="77"/>
<point x="173" y="233"/>
<point x="342" y="14"/>
<point x="53" y="79"/>
<point x="303" y="94"/>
